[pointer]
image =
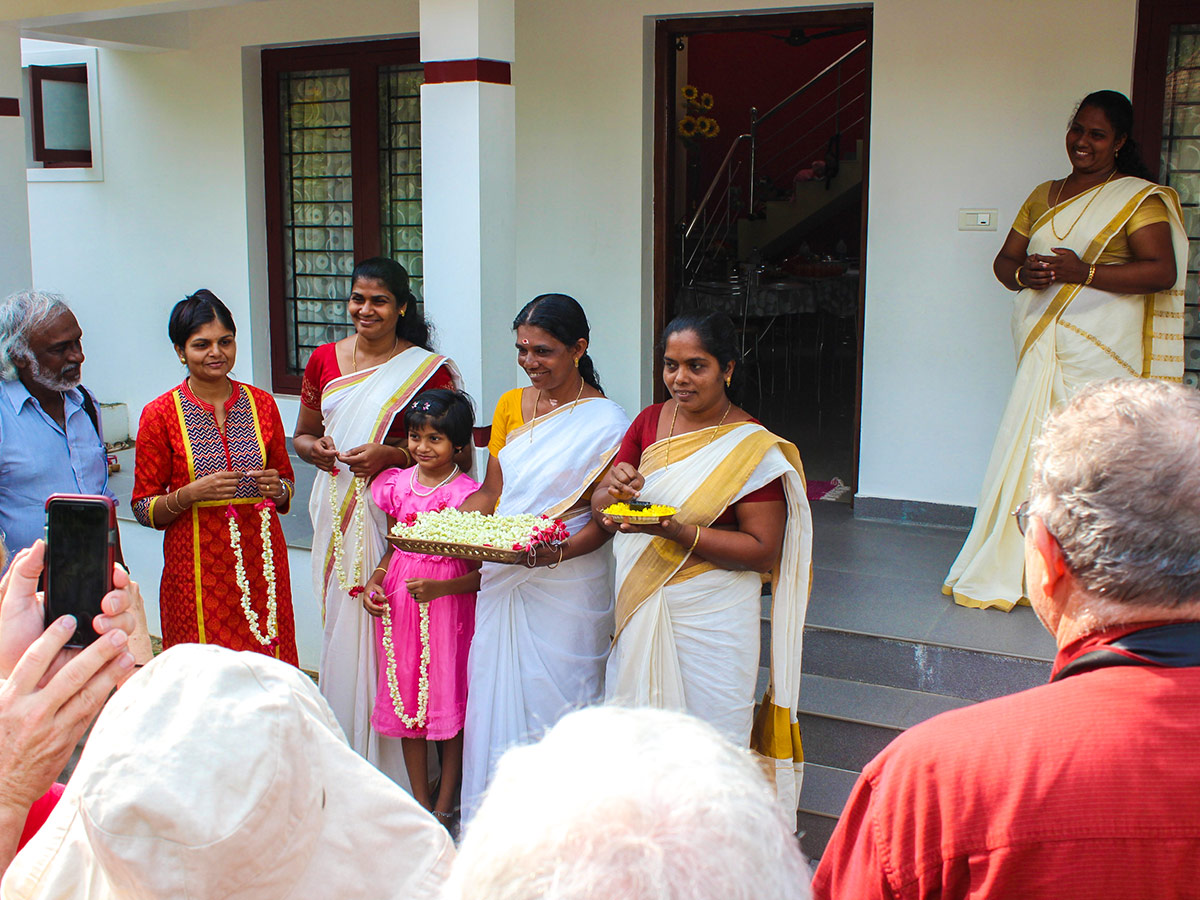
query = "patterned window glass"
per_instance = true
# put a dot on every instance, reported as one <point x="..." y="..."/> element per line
<point x="318" y="235"/>
<point x="1181" y="169"/>
<point x="400" y="169"/>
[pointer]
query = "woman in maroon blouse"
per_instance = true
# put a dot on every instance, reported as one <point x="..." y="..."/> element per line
<point x="688" y="586"/>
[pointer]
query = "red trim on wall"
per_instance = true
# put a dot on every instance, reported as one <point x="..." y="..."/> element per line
<point x="10" y="106"/>
<point x="491" y="71"/>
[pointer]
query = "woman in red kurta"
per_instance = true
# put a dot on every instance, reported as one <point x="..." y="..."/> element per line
<point x="208" y="450"/>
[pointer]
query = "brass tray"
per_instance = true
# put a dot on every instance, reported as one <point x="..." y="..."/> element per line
<point x="458" y="551"/>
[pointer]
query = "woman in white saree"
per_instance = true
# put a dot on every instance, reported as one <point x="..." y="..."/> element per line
<point x="349" y="428"/>
<point x="689" y="588"/>
<point x="542" y="633"/>
<point x="1097" y="260"/>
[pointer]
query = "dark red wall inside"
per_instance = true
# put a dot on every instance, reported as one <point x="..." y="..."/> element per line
<point x="744" y="69"/>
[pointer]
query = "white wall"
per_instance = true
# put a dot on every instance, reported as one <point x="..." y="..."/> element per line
<point x="964" y="113"/>
<point x="15" y="264"/>
<point x="969" y="106"/>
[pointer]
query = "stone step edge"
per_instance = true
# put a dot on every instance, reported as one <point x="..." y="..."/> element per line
<point x="921" y="642"/>
<point x="819" y="708"/>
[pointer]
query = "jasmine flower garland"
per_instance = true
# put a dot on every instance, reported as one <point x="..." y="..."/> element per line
<point x="271" y="637"/>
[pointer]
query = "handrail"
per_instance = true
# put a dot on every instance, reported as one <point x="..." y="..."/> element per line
<point x="800" y="90"/>
<point x="712" y="187"/>
<point x="717" y="221"/>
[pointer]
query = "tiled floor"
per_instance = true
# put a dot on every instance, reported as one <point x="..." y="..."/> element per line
<point x="885" y="579"/>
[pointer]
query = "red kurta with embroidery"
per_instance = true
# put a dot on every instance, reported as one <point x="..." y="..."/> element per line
<point x="178" y="442"/>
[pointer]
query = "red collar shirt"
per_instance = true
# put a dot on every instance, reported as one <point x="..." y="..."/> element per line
<point x="1084" y="788"/>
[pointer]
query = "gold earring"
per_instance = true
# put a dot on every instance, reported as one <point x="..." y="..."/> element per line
<point x="729" y="381"/>
<point x="182" y="361"/>
<point x="577" y="363"/>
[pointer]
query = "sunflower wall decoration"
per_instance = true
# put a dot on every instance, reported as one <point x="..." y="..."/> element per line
<point x="696" y="124"/>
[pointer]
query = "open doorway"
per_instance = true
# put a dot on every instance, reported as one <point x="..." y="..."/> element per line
<point x="761" y="127"/>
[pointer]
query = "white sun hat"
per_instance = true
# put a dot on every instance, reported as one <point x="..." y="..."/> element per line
<point x="215" y="774"/>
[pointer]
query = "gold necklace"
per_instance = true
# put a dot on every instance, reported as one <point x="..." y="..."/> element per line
<point x="354" y="358"/>
<point x="1063" y="237"/>
<point x="538" y="399"/>
<point x="712" y="437"/>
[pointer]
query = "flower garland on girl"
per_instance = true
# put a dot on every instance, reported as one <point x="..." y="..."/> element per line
<point x="417" y="721"/>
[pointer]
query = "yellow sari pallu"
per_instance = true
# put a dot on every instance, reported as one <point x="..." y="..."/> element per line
<point x="1066" y="336"/>
<point x="688" y="639"/>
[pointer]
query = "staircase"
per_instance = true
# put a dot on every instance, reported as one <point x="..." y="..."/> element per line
<point x="806" y="125"/>
<point x="884" y="650"/>
<point x="813" y="203"/>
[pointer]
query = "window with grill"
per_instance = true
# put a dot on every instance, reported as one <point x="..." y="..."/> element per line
<point x="1166" y="102"/>
<point x="342" y="138"/>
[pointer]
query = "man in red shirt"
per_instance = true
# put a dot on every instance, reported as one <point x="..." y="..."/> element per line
<point x="1086" y="787"/>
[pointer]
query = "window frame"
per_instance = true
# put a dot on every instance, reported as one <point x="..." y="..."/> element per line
<point x="364" y="60"/>
<point x="51" y="157"/>
<point x="76" y="56"/>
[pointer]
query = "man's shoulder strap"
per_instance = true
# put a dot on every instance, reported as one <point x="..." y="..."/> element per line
<point x="89" y="407"/>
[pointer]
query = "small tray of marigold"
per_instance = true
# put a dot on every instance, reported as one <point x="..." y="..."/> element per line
<point x="458" y="551"/>
<point x="638" y="512"/>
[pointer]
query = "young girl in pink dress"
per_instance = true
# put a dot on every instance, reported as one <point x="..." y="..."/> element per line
<point x="425" y="699"/>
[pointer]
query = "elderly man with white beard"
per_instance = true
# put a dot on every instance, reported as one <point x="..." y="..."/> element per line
<point x="50" y="437"/>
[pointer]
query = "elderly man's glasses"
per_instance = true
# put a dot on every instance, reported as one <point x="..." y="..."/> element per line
<point x="1021" y="514"/>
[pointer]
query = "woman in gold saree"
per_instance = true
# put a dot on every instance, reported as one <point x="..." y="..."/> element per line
<point x="1097" y="261"/>
<point x="689" y="587"/>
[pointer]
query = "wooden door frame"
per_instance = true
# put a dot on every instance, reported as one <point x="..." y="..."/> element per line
<point x="666" y="32"/>
<point x="1154" y="21"/>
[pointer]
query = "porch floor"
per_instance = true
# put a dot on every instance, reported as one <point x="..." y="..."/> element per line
<point x="884" y="579"/>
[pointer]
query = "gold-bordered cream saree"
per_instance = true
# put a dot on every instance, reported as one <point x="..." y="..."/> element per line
<point x="688" y="638"/>
<point x="1066" y="336"/>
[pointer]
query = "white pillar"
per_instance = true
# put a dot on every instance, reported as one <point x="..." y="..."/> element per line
<point x="468" y="166"/>
<point x="16" y="267"/>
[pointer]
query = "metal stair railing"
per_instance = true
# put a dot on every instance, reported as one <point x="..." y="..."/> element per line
<point x="756" y="121"/>
<point x="721" y="206"/>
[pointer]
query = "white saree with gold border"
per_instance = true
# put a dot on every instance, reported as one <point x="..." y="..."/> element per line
<point x="541" y="635"/>
<point x="1065" y="337"/>
<point x="359" y="408"/>
<point x="688" y="639"/>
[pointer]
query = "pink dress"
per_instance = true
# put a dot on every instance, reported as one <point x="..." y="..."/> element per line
<point x="451" y="619"/>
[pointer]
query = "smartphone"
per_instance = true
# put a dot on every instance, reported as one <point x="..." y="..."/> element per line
<point x="81" y="541"/>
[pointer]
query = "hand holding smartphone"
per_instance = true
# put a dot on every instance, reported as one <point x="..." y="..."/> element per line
<point x="81" y="538"/>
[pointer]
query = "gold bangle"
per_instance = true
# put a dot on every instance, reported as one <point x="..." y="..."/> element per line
<point x="695" y="540"/>
<point x="1017" y="277"/>
<point x="379" y="569"/>
<point x="407" y="456"/>
<point x="1091" y="275"/>
<point x="167" y="504"/>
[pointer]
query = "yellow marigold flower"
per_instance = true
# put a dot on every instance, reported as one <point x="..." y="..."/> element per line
<point x="703" y="125"/>
<point x="706" y="101"/>
<point x="653" y="511"/>
<point x="690" y="92"/>
<point x="687" y="126"/>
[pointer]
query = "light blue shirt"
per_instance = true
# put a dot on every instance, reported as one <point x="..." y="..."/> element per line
<point x="39" y="458"/>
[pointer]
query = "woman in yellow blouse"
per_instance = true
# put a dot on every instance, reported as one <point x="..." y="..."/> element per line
<point x="1097" y="260"/>
<point x="542" y="632"/>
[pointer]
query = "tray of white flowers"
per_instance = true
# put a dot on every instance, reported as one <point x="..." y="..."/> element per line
<point x="472" y="535"/>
